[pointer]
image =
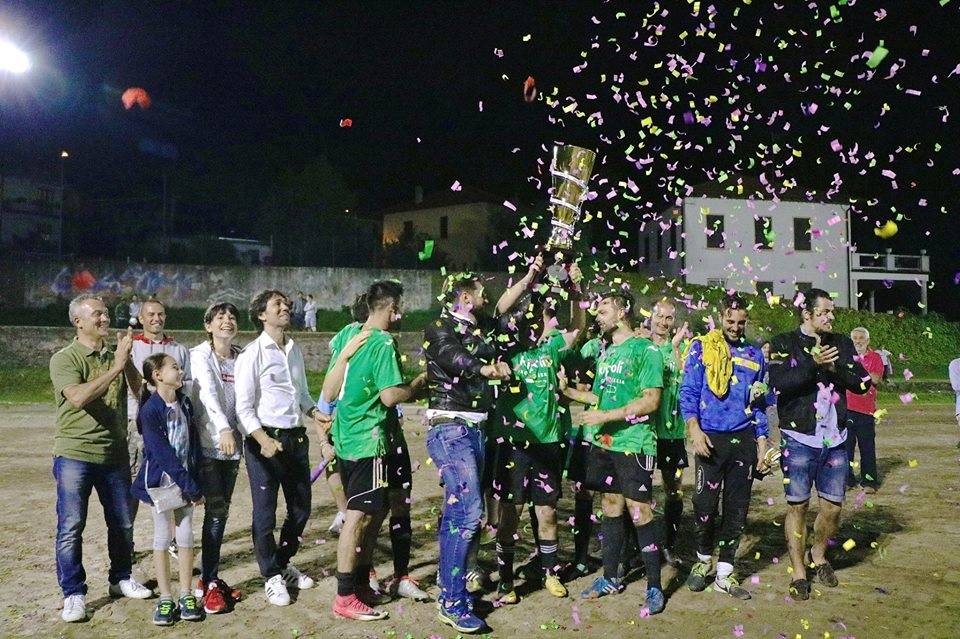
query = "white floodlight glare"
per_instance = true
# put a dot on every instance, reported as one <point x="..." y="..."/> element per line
<point x="12" y="58"/>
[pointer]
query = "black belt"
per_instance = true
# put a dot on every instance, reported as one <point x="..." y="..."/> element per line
<point x="442" y="419"/>
<point x="276" y="432"/>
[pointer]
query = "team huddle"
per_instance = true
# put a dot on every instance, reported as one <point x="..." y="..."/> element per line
<point x="501" y="430"/>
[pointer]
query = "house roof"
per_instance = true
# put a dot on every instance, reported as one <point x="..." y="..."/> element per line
<point x="445" y="198"/>
<point x="754" y="189"/>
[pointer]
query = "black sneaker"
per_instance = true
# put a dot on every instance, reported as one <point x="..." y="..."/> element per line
<point x="732" y="587"/>
<point x="800" y="589"/>
<point x="190" y="608"/>
<point x="825" y="575"/>
<point x="697" y="579"/>
<point x="670" y="557"/>
<point x="164" y="613"/>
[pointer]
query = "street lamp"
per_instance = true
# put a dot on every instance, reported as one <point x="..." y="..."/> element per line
<point x="13" y="59"/>
<point x="63" y="161"/>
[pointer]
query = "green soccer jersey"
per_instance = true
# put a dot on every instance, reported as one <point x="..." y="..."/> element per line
<point x="360" y="420"/>
<point x="589" y="351"/>
<point x="670" y="423"/>
<point x="623" y="372"/>
<point x="533" y="397"/>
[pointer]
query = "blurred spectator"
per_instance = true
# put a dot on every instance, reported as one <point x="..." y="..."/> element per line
<point x="310" y="314"/>
<point x="135" y="305"/>
<point x="296" y="310"/>
<point x="955" y="383"/>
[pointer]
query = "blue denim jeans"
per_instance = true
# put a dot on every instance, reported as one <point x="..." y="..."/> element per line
<point x="458" y="452"/>
<point x="75" y="480"/>
<point x="805" y="467"/>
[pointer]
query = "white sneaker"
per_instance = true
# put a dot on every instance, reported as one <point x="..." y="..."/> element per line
<point x="337" y="524"/>
<point x="410" y="589"/>
<point x="276" y="590"/>
<point x="131" y="589"/>
<point x="74" y="609"/>
<point x="296" y="579"/>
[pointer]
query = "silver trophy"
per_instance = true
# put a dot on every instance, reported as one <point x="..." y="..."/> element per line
<point x="570" y="169"/>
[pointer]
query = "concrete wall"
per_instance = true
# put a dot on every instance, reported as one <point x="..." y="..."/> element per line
<point x="740" y="264"/>
<point x="33" y="345"/>
<point x="38" y="283"/>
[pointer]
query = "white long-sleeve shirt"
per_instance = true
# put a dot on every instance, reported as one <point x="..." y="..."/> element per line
<point x="955" y="380"/>
<point x="271" y="385"/>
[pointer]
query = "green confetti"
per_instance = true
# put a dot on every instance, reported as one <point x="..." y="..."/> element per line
<point x="427" y="251"/>
<point x="877" y="56"/>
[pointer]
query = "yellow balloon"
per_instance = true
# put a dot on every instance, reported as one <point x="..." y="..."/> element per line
<point x="888" y="230"/>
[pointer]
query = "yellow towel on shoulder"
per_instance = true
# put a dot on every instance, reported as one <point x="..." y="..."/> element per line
<point x="717" y="361"/>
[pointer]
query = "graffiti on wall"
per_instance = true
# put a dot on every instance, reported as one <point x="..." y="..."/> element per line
<point x="192" y="285"/>
<point x="166" y="282"/>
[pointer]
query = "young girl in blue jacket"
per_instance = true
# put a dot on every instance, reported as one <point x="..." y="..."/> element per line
<point x="170" y="446"/>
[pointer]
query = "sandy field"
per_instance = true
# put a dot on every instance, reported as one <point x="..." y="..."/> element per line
<point x="902" y="578"/>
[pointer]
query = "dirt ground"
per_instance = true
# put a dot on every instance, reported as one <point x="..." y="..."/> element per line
<point x="902" y="579"/>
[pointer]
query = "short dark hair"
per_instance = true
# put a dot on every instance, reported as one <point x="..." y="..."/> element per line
<point x="732" y="302"/>
<point x="624" y="300"/>
<point x="259" y="304"/>
<point x="458" y="283"/>
<point x="215" y="309"/>
<point x="380" y="292"/>
<point x="359" y="311"/>
<point x="809" y="299"/>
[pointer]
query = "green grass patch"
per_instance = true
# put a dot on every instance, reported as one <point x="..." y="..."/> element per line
<point x="25" y="385"/>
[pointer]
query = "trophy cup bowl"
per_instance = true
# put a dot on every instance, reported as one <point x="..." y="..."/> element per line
<point x="570" y="169"/>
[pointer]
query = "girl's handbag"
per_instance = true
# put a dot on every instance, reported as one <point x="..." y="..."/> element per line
<point x="166" y="496"/>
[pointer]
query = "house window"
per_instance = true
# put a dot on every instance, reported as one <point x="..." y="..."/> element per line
<point x="44" y="195"/>
<point x="717" y="282"/>
<point x="715" y="225"/>
<point x="763" y="233"/>
<point x="408" y="227"/>
<point x="801" y="234"/>
<point x="764" y="288"/>
<point x="673" y="236"/>
<point x="444" y="226"/>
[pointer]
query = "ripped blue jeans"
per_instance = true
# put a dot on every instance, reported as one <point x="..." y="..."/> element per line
<point x="457" y="451"/>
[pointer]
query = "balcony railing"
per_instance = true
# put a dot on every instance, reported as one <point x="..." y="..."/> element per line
<point x="891" y="263"/>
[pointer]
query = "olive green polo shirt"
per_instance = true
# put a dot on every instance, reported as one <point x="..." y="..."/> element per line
<point x="96" y="433"/>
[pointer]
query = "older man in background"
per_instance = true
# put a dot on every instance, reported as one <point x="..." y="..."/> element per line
<point x="861" y="424"/>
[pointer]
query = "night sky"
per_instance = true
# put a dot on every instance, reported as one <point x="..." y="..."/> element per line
<point x="247" y="89"/>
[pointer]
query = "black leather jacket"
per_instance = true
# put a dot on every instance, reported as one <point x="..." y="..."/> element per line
<point x="795" y="378"/>
<point x="456" y="350"/>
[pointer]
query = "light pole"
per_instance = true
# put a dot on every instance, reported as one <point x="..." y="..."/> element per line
<point x="63" y="161"/>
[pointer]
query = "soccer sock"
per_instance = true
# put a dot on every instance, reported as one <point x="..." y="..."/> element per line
<point x="704" y="558"/>
<point x="361" y="576"/>
<point x="400" y="543"/>
<point x="673" y="511"/>
<point x="612" y="528"/>
<point x="647" y="538"/>
<point x="345" y="583"/>
<point x="505" y="555"/>
<point x="534" y="524"/>
<point x="582" y="529"/>
<point x="629" y="543"/>
<point x="724" y="569"/>
<point x="548" y="555"/>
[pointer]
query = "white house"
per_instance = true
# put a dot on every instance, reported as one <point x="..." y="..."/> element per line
<point x="757" y="246"/>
